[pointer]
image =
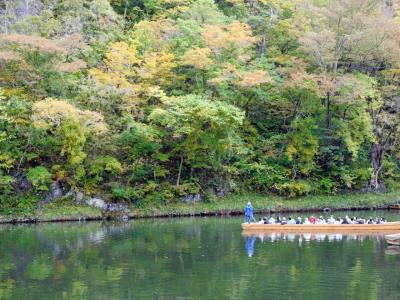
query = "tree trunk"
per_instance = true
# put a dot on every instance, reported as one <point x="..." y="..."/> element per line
<point x="191" y="172"/>
<point x="179" y="171"/>
<point x="23" y="156"/>
<point x="5" y="24"/>
<point x="377" y="155"/>
<point x="26" y="10"/>
<point x="328" y="110"/>
<point x="263" y="46"/>
<point x="125" y="9"/>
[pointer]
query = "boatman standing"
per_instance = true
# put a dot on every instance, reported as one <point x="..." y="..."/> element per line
<point x="248" y="212"/>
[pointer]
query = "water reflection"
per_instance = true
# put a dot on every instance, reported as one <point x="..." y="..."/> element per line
<point x="307" y="237"/>
<point x="198" y="258"/>
<point x="304" y="238"/>
<point x="250" y="241"/>
<point x="392" y="250"/>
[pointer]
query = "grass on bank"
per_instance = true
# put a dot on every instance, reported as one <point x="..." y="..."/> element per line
<point x="58" y="210"/>
<point x="69" y="210"/>
<point x="236" y="203"/>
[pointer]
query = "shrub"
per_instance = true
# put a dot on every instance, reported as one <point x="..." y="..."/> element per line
<point x="105" y="164"/>
<point x="187" y="188"/>
<point x="21" y="204"/>
<point x="392" y="185"/>
<point x="295" y="188"/>
<point x="155" y="198"/>
<point x="6" y="183"/>
<point x="261" y="176"/>
<point x="40" y="178"/>
<point x="209" y="196"/>
<point x="327" y="186"/>
<point x="168" y="192"/>
<point x="122" y="192"/>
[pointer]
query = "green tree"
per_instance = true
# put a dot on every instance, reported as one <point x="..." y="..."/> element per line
<point x="203" y="132"/>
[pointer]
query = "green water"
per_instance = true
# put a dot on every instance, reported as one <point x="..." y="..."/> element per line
<point x="196" y="258"/>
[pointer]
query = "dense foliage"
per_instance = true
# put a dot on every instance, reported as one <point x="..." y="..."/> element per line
<point x="148" y="101"/>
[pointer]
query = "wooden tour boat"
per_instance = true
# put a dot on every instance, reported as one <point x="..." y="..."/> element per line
<point x="395" y="206"/>
<point x="389" y="227"/>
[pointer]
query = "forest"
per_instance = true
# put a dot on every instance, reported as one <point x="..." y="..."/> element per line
<point x="149" y="101"/>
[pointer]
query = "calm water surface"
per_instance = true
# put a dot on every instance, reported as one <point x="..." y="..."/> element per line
<point x="196" y="258"/>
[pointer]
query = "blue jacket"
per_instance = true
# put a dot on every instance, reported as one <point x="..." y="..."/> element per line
<point x="248" y="211"/>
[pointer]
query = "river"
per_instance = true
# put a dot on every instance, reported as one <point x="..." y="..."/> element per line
<point x="192" y="258"/>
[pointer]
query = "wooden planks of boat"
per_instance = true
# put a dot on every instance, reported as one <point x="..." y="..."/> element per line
<point x="393" y="239"/>
<point x="389" y="227"/>
<point x="394" y="206"/>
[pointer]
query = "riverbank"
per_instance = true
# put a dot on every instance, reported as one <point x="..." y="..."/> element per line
<point x="230" y="205"/>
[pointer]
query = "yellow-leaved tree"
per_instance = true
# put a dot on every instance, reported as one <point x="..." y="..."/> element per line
<point x="51" y="113"/>
<point x="198" y="58"/>
<point x="72" y="127"/>
<point x="130" y="79"/>
<point x="220" y="37"/>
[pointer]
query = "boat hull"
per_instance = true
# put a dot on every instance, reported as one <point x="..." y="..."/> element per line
<point x="390" y="227"/>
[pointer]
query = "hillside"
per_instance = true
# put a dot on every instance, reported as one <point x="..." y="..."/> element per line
<point x="148" y="102"/>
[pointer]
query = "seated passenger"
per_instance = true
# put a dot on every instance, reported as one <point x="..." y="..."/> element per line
<point x="331" y="220"/>
<point x="346" y="220"/>
<point x="321" y="220"/>
<point x="271" y="220"/>
<point x="338" y="221"/>
<point x="298" y="221"/>
<point x="383" y="220"/>
<point x="360" y="221"/>
<point x="283" y="221"/>
<point x="312" y="219"/>
<point x="306" y="221"/>
<point x="291" y="221"/>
